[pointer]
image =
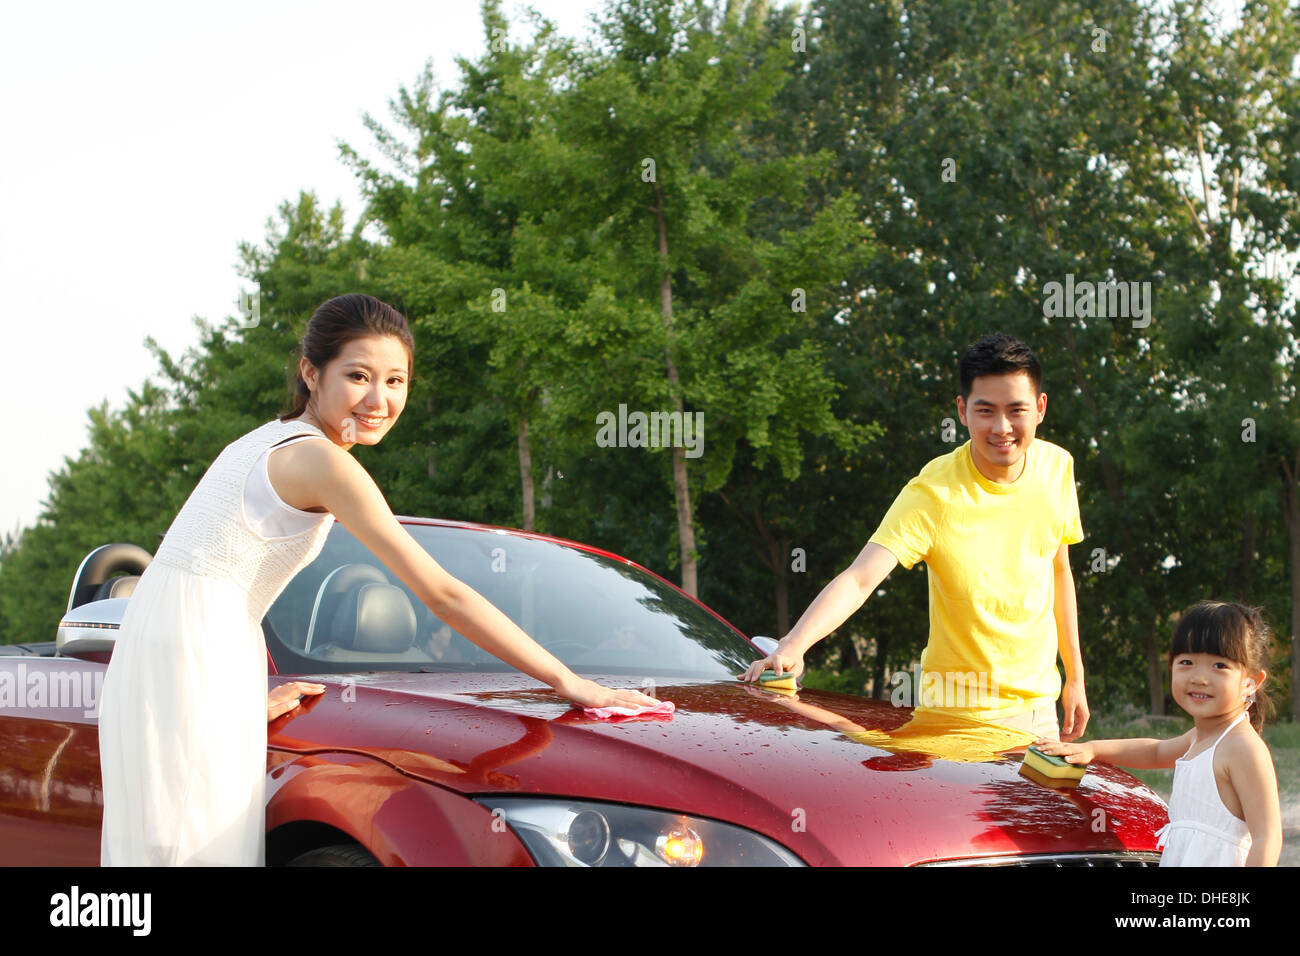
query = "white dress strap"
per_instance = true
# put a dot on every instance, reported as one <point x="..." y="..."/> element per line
<point x="1234" y="723"/>
<point x="1210" y="749"/>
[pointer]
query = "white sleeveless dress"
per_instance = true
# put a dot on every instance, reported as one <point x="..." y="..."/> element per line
<point x="182" y="725"/>
<point x="1201" y="831"/>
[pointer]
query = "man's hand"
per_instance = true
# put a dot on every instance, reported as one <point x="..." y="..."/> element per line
<point x="781" y="660"/>
<point x="1075" y="706"/>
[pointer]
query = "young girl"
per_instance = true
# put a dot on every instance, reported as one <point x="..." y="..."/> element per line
<point x="1224" y="807"/>
<point x="182" y="742"/>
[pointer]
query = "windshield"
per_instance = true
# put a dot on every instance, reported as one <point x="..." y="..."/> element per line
<point x="347" y="612"/>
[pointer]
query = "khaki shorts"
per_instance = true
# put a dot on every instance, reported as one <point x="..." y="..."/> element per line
<point x="1041" y="722"/>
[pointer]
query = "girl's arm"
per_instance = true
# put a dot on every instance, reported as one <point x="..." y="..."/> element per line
<point x="1141" y="753"/>
<point x="333" y="479"/>
<point x="1251" y="774"/>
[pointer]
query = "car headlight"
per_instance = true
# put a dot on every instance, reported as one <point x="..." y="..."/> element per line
<point x="560" y="832"/>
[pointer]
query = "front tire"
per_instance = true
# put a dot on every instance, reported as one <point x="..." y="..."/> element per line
<point x="348" y="854"/>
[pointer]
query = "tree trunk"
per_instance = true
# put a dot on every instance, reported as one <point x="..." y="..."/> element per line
<point x="773" y="553"/>
<point x="880" y="688"/>
<point x="685" y="528"/>
<point x="781" y="573"/>
<point x="546" y="486"/>
<point x="1291" y="512"/>
<point x="849" y="658"/>
<point x="1155" y="672"/>
<point x="428" y="406"/>
<point x="1246" y="567"/>
<point x="526" y="475"/>
<point x="681" y="488"/>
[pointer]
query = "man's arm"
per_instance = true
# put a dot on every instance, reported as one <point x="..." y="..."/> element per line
<point x="847" y="592"/>
<point x="1073" y="699"/>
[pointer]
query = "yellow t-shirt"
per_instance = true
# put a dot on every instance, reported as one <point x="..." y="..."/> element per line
<point x="988" y="550"/>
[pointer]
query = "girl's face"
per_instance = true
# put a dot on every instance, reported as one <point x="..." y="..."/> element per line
<point x="357" y="399"/>
<point x="1207" y="686"/>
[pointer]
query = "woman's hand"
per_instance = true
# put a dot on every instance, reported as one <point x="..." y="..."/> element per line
<point x="588" y="693"/>
<point x="782" y="661"/>
<point x="285" y="697"/>
<point x="1073" y="753"/>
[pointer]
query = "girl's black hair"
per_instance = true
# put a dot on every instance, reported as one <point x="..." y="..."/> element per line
<point x="336" y="323"/>
<point x="1230" y="630"/>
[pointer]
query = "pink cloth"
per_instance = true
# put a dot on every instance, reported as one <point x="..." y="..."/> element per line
<point x="600" y="713"/>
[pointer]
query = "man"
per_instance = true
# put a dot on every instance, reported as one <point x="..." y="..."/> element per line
<point x="993" y="521"/>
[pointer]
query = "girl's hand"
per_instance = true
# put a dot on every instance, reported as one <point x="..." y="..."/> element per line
<point x="588" y="693"/>
<point x="285" y="697"/>
<point x="1073" y="753"/>
<point x="780" y="660"/>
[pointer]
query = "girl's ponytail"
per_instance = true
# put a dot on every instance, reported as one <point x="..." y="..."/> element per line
<point x="1260" y="706"/>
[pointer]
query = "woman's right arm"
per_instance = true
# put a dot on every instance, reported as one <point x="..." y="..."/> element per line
<point x="327" y="476"/>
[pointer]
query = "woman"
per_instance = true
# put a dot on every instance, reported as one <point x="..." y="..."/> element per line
<point x="182" y="742"/>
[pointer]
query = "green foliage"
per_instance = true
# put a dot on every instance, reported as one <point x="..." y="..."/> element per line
<point x="850" y="681"/>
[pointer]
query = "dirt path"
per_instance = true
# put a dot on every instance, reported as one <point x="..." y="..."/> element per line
<point x="1290" y="830"/>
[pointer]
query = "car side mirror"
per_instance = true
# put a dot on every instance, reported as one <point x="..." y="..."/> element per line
<point x="765" y="644"/>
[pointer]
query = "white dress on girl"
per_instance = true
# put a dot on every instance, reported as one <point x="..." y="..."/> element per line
<point x="182" y="724"/>
<point x="1201" y="831"/>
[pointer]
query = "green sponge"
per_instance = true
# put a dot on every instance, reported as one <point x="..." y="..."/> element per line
<point x="1051" y="766"/>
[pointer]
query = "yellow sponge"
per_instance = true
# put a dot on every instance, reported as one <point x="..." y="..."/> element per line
<point x="1029" y="773"/>
<point x="1054" y="768"/>
<point x="770" y="681"/>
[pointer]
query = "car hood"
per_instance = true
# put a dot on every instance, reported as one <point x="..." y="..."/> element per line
<point x="835" y="778"/>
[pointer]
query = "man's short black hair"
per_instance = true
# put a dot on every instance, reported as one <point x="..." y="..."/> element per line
<point x="998" y="354"/>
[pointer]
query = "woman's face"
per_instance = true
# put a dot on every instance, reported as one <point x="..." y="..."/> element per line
<point x="361" y="392"/>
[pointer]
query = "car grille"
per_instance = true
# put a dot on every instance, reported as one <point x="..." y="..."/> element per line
<point x="1103" y="860"/>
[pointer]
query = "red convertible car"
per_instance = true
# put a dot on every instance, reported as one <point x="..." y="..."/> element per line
<point x="426" y="750"/>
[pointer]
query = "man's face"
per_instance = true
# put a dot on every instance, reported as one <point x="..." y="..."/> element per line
<point x="1002" y="414"/>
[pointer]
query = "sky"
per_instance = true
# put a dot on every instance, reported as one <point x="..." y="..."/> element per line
<point x="142" y="143"/>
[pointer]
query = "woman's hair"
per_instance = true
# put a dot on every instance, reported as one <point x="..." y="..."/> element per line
<point x="1229" y="630"/>
<point x="336" y="323"/>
